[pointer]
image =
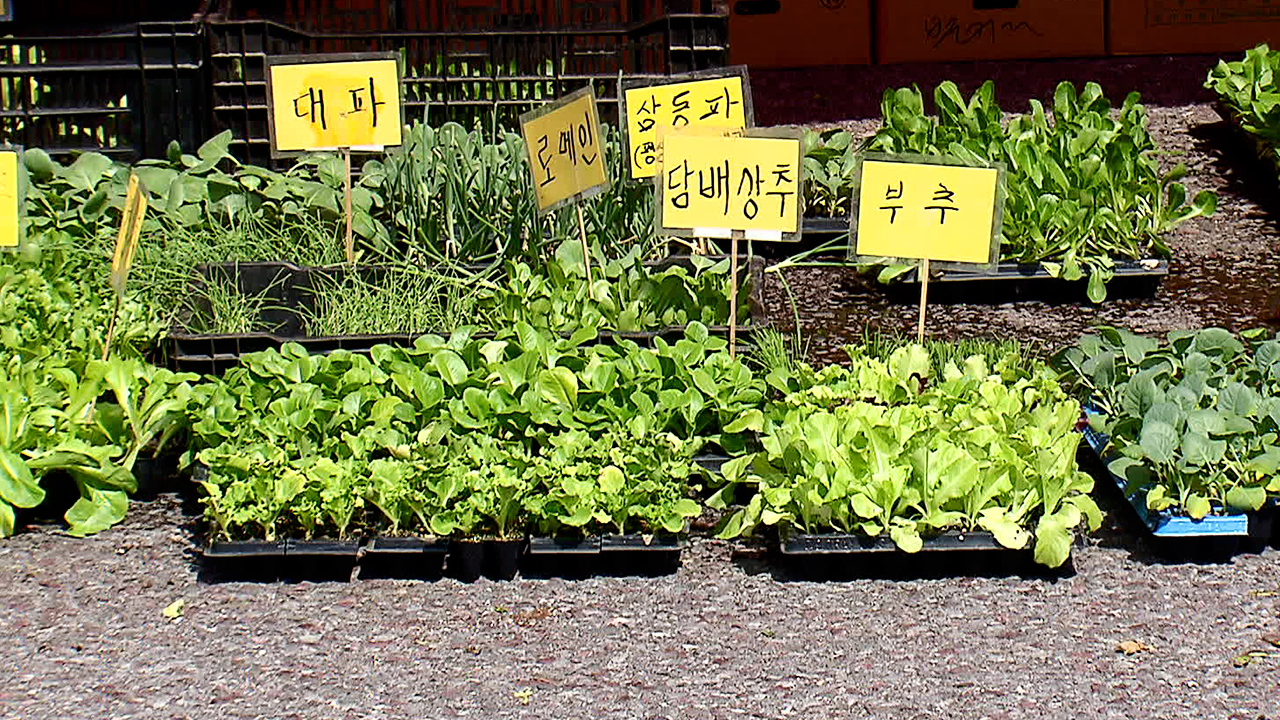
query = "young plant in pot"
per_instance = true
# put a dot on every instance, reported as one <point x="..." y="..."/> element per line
<point x="485" y="489"/>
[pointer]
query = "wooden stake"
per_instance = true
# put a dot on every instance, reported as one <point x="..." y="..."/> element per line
<point x="586" y="252"/>
<point x="733" y="294"/>
<point x="351" y="246"/>
<point x="924" y="297"/>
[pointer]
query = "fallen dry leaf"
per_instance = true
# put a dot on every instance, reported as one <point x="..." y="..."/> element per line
<point x="1130" y="647"/>
<point x="1272" y="638"/>
<point x="1246" y="658"/>
<point x="174" y="611"/>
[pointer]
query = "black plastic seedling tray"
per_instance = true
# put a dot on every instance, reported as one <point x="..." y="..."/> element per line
<point x="835" y="556"/>
<point x="1012" y="283"/>
<point x="409" y="558"/>
<point x="287" y="560"/>
<point x="287" y="290"/>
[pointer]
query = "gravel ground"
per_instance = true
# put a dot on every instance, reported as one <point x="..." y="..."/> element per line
<point x="728" y="635"/>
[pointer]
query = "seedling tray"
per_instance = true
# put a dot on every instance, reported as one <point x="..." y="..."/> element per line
<point x="289" y="560"/>
<point x="1179" y="534"/>
<point x="836" y="556"/>
<point x="1013" y="282"/>
<point x="288" y="292"/>
<point x="616" y="555"/>
<point x="408" y="558"/>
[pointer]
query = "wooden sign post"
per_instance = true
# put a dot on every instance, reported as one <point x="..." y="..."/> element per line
<point x="343" y="102"/>
<point x="731" y="186"/>
<point x="925" y="208"/>
<point x="566" y="157"/>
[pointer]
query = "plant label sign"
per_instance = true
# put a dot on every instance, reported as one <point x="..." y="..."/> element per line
<point x="715" y="98"/>
<point x="924" y="208"/>
<point x="135" y="210"/>
<point x="327" y="102"/>
<point x="711" y="185"/>
<point x="565" y="153"/>
<point x="11" y="197"/>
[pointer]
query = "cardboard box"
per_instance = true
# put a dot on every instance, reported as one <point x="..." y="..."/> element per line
<point x="936" y="30"/>
<point x="799" y="33"/>
<point x="1167" y="27"/>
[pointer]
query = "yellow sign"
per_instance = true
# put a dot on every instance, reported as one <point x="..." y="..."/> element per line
<point x="562" y="141"/>
<point x="135" y="209"/>
<point x="323" y="104"/>
<point x="10" y="200"/>
<point x="918" y="210"/>
<point x="710" y="186"/>
<point x="714" y="102"/>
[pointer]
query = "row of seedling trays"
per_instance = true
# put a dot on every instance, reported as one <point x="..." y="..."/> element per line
<point x="433" y="558"/>
<point x="288" y="292"/>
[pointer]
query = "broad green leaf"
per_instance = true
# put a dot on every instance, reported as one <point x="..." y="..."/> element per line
<point x="612" y="480"/>
<point x="450" y="367"/>
<point x="558" y="386"/>
<point x="1053" y="540"/>
<point x="1197" y="506"/>
<point x="1159" y="441"/>
<point x="98" y="511"/>
<point x="17" y="486"/>
<point x="907" y="538"/>
<point x="1008" y="532"/>
<point x="1246" y="498"/>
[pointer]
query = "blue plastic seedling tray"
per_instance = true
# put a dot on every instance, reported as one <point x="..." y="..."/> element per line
<point x="1164" y="524"/>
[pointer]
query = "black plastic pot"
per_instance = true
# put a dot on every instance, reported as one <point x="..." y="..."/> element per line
<point x="250" y="561"/>
<point x="319" y="560"/>
<point x="645" y="555"/>
<point x="155" y="475"/>
<point x="466" y="560"/>
<point x="564" y="557"/>
<point x="404" y="558"/>
<point x="502" y="558"/>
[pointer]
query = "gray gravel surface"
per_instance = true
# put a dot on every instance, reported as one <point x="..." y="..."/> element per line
<point x="728" y="635"/>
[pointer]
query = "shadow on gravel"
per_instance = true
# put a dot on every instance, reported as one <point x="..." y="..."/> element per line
<point x="1236" y="160"/>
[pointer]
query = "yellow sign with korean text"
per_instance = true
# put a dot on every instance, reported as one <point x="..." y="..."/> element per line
<point x="712" y="186"/>
<point x="711" y="102"/>
<point x="10" y="199"/>
<point x="562" y="141"/>
<point x="321" y="102"/>
<point x="914" y="210"/>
